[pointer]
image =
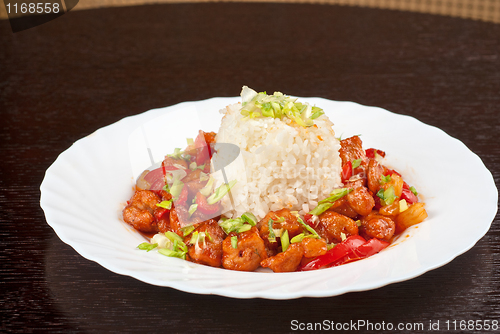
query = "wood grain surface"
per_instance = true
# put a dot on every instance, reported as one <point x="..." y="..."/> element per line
<point x="87" y="69"/>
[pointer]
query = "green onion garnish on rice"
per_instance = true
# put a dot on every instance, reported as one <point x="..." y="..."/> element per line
<point x="277" y="105"/>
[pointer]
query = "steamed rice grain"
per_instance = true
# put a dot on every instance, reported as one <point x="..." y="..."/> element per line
<point x="281" y="164"/>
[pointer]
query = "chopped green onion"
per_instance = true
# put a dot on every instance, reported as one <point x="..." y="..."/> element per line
<point x="389" y="196"/>
<point x="192" y="209"/>
<point x="272" y="236"/>
<point x="249" y="218"/>
<point x="244" y="228"/>
<point x="267" y="110"/>
<point x="321" y="208"/>
<point x="165" y="204"/>
<point x="147" y="246"/>
<point x="198" y="237"/>
<point x="285" y="240"/>
<point x="203" y="176"/>
<point x="309" y="228"/>
<point x="181" y="246"/>
<point x="220" y="192"/>
<point x="193" y="166"/>
<point x="277" y="105"/>
<point x="230" y="225"/>
<point x="342" y="236"/>
<point x="172" y="253"/>
<point x="356" y="163"/>
<point x="190" y="141"/>
<point x="176" y="155"/>
<point x="173" y="236"/>
<point x="298" y="238"/>
<point x="234" y="242"/>
<point x="186" y="230"/>
<point x="336" y="194"/>
<point x="207" y="189"/>
<point x="358" y="222"/>
<point x="237" y="225"/>
<point x="413" y="190"/>
<point x="194" y="238"/>
<point x="385" y="179"/>
<point x="176" y="188"/>
<point x="208" y="236"/>
<point x="327" y="203"/>
<point x="316" y="112"/>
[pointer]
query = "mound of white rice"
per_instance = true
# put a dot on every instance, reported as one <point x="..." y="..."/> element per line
<point x="282" y="164"/>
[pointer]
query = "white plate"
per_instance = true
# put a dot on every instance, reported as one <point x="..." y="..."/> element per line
<point x="86" y="188"/>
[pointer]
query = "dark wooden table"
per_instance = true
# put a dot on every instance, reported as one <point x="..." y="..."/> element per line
<point x="65" y="79"/>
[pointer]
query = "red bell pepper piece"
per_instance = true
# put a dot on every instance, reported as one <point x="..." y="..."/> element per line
<point x="308" y="219"/>
<point x="203" y="151"/>
<point x="408" y="195"/>
<point x="370" y="153"/>
<point x="154" y="175"/>
<point x="183" y="196"/>
<point x="390" y="172"/>
<point x="369" y="248"/>
<point x="351" y="249"/>
<point x="157" y="185"/>
<point x="346" y="171"/>
<point x="334" y="254"/>
<point x="160" y="213"/>
<point x="204" y="207"/>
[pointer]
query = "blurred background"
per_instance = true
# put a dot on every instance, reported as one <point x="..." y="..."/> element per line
<point x="484" y="10"/>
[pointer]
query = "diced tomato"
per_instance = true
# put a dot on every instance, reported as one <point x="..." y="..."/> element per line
<point x="204" y="207"/>
<point x="346" y="171"/>
<point x="370" y="153"/>
<point x="336" y="253"/>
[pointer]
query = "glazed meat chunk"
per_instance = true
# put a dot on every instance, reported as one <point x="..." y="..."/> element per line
<point x="247" y="254"/>
<point x="377" y="226"/>
<point x="332" y="225"/>
<point x="140" y="211"/>
<point x="205" y="244"/>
